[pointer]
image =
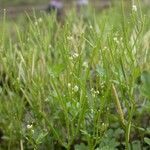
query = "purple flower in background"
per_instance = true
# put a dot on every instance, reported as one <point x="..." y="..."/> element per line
<point x="56" y="4"/>
<point x="82" y="2"/>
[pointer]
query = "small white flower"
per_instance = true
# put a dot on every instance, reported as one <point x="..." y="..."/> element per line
<point x="134" y="8"/>
<point x="69" y="85"/>
<point x="50" y="46"/>
<point x="36" y="23"/>
<point x="32" y="131"/>
<point x="105" y="48"/>
<point x="70" y="38"/>
<point x="116" y="40"/>
<point x="76" y="88"/>
<point x="29" y="126"/>
<point x="75" y="55"/>
<point x="103" y="124"/>
<point x="94" y="92"/>
<point x="46" y="100"/>
<point x="97" y="92"/>
<point x="85" y="64"/>
<point x="40" y="20"/>
<point x="92" y="111"/>
<point x="92" y="89"/>
<point x="91" y="27"/>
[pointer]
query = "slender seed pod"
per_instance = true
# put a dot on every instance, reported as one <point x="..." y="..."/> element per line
<point x="118" y="105"/>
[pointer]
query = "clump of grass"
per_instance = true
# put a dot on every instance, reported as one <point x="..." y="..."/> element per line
<point x="58" y="81"/>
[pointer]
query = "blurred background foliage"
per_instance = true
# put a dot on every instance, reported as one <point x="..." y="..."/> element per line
<point x="21" y="2"/>
<point x="28" y="2"/>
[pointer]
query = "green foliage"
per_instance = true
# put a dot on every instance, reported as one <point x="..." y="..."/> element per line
<point x="145" y="78"/>
<point x="66" y="84"/>
<point x="147" y="140"/>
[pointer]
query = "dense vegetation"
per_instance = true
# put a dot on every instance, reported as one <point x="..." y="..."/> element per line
<point x="81" y="83"/>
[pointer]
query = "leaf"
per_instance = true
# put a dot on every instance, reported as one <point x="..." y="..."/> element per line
<point x="145" y="89"/>
<point x="40" y="138"/>
<point x="147" y="140"/>
<point x="148" y="130"/>
<point x="81" y="147"/>
<point x="56" y="70"/>
<point x="106" y="147"/>
<point x="136" y="145"/>
<point x="101" y="71"/>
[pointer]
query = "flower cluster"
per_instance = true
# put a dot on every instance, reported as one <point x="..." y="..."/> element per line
<point x="75" y="88"/>
<point x="75" y="55"/>
<point x="38" y="21"/>
<point x="116" y="40"/>
<point x="134" y="8"/>
<point x="30" y="127"/>
<point x="94" y="92"/>
<point x="70" y="38"/>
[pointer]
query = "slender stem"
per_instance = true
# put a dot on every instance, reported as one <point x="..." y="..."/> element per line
<point x="21" y="145"/>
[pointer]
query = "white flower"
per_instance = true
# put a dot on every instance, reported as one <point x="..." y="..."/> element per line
<point x="76" y="88"/>
<point x="40" y="20"/>
<point x="91" y="27"/>
<point x="105" y="48"/>
<point x="94" y="92"/>
<point x="97" y="92"/>
<point x="75" y="55"/>
<point x="32" y="131"/>
<point x="69" y="85"/>
<point x="92" y="89"/>
<point x="50" y="46"/>
<point x="116" y="40"/>
<point x="92" y="111"/>
<point x="46" y="100"/>
<point x="103" y="124"/>
<point x="134" y="8"/>
<point x="36" y="23"/>
<point x="29" y="126"/>
<point x="85" y="64"/>
<point x="70" y="38"/>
